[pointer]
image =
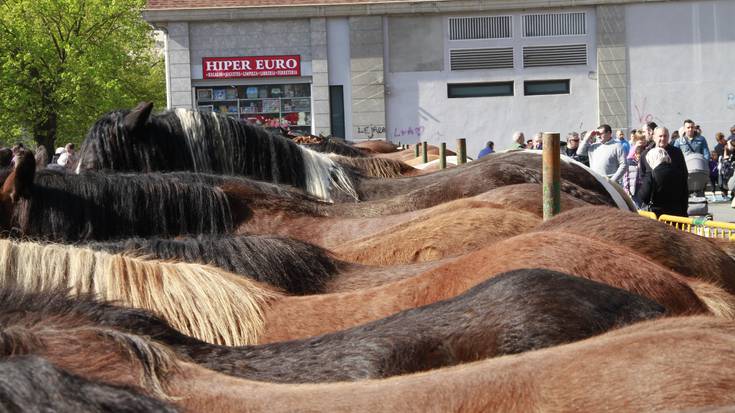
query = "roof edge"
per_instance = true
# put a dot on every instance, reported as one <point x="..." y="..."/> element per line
<point x="154" y="16"/>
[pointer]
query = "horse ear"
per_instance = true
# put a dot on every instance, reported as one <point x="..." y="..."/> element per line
<point x="138" y="116"/>
<point x="20" y="181"/>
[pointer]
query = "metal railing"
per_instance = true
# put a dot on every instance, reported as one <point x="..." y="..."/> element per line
<point x="699" y="226"/>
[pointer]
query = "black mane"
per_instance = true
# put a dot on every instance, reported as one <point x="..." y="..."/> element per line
<point x="32" y="384"/>
<point x="96" y="206"/>
<point x="294" y="266"/>
<point x="183" y="140"/>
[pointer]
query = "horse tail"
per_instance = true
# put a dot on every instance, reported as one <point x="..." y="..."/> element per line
<point x="718" y="301"/>
<point x="375" y="167"/>
<point x="323" y="173"/>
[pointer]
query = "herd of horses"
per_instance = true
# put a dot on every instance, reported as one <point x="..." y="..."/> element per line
<point x="190" y="262"/>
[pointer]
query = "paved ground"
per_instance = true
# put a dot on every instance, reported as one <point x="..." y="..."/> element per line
<point x="722" y="211"/>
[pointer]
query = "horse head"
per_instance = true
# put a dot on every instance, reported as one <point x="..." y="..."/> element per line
<point x="117" y="140"/>
<point x="16" y="186"/>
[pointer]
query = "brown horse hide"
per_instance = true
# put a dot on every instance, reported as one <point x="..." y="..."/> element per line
<point x="647" y="367"/>
<point x="512" y="313"/>
<point x="376" y="146"/>
<point x="492" y="171"/>
<point x="296" y="317"/>
<point x="327" y="226"/>
<point x="683" y="252"/>
<point x="450" y="229"/>
<point x="644" y="367"/>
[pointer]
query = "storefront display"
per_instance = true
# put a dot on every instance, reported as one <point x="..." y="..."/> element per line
<point x="269" y="105"/>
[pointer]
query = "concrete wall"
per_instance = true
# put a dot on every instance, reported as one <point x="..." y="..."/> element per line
<point x="612" y="67"/>
<point x="416" y="44"/>
<point x="367" y="76"/>
<point x="179" y="79"/>
<point x="418" y="108"/>
<point x="682" y="60"/>
<point x="338" y="56"/>
<point x="319" y="77"/>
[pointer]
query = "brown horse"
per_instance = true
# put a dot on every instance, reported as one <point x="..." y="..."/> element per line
<point x="33" y="384"/>
<point x="96" y="206"/>
<point x="376" y="146"/>
<point x="263" y="315"/>
<point x="647" y="368"/>
<point x="377" y="167"/>
<point x="138" y="141"/>
<point x="319" y="224"/>
<point x="211" y="304"/>
<point x="685" y="253"/>
<point x="612" y="265"/>
<point x="450" y="229"/>
<point x="521" y="311"/>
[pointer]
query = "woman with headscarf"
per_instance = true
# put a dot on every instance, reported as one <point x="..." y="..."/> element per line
<point x="665" y="185"/>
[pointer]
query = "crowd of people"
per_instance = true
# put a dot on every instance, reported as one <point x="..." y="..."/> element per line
<point x="651" y="163"/>
<point x="64" y="157"/>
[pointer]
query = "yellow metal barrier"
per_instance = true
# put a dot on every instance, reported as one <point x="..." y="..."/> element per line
<point x="647" y="214"/>
<point x="700" y="226"/>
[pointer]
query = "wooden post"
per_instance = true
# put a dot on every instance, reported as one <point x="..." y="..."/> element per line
<point x="551" y="175"/>
<point x="461" y="151"/>
<point x="416" y="150"/>
<point x="424" y="152"/>
<point x="443" y="155"/>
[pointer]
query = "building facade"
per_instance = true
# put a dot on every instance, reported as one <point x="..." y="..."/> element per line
<point x="440" y="70"/>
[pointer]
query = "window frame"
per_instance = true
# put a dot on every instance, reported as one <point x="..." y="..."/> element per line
<point x="526" y="83"/>
<point x="510" y="83"/>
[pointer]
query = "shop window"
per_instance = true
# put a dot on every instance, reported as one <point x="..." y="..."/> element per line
<point x="270" y="105"/>
<point x="476" y="90"/>
<point x="337" y="111"/>
<point x="546" y="87"/>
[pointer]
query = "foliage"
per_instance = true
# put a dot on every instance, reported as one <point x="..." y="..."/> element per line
<point x="65" y="62"/>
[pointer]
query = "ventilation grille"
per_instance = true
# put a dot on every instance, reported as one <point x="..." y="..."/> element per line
<point x="471" y="59"/>
<point x="471" y="28"/>
<point x="557" y="24"/>
<point x="540" y="56"/>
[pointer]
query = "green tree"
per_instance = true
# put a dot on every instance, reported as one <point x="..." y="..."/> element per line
<point x="65" y="62"/>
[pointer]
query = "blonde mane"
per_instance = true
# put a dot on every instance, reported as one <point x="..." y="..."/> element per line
<point x="375" y="167"/>
<point x="198" y="300"/>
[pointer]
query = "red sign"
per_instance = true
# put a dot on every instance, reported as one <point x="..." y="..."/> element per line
<point x="251" y="66"/>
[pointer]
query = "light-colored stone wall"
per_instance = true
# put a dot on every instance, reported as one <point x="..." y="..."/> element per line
<point x="368" y="86"/>
<point x="612" y="67"/>
<point x="320" y="77"/>
<point x="179" y="65"/>
<point x="250" y="38"/>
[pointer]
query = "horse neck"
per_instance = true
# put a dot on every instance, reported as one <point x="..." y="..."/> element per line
<point x="297" y="317"/>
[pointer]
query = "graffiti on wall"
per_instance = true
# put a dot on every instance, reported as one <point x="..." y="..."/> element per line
<point x="643" y="115"/>
<point x="410" y="131"/>
<point x="370" y="132"/>
<point x="731" y="100"/>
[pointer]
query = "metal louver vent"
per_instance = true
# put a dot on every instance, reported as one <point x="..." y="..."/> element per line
<point x="470" y="28"/>
<point x="554" y="24"/>
<point x="471" y="59"/>
<point x="567" y="55"/>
